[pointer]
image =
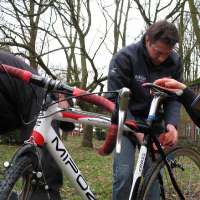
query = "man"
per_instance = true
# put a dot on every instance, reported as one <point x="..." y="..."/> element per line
<point x="188" y="98"/>
<point x="19" y="106"/>
<point x="149" y="59"/>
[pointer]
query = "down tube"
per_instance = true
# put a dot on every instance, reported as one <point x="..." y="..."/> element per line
<point x="68" y="166"/>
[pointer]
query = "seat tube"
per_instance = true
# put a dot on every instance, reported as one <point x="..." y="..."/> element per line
<point x="153" y="108"/>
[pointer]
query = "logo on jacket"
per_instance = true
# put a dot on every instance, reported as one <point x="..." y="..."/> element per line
<point x="140" y="78"/>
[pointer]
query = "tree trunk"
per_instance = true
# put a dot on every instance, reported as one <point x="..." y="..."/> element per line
<point x="87" y="137"/>
<point x="195" y="22"/>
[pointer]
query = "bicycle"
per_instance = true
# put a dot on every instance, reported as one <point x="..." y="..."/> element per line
<point x="174" y="164"/>
<point x="168" y="166"/>
<point x="26" y="161"/>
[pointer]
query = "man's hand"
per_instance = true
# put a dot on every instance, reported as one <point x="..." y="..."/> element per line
<point x="140" y="137"/>
<point x="62" y="102"/>
<point x="169" y="138"/>
<point x="170" y="84"/>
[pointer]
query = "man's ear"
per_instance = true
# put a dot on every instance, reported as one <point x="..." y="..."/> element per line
<point x="147" y="38"/>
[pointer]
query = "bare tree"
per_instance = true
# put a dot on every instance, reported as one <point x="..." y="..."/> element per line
<point x="188" y="46"/>
<point x="151" y="11"/>
<point x="119" y="19"/>
<point x="195" y="16"/>
<point x="20" y="26"/>
<point x="76" y="27"/>
<point x="30" y="26"/>
<point x="75" y="17"/>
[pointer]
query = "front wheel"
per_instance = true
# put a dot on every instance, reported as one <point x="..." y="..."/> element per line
<point x="185" y="165"/>
<point x="17" y="181"/>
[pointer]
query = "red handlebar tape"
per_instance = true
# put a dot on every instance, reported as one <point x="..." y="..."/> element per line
<point x="110" y="141"/>
<point x="94" y="99"/>
<point x="16" y="72"/>
<point x="111" y="137"/>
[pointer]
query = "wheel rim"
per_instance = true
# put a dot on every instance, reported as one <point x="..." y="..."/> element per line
<point x="23" y="187"/>
<point x="186" y="170"/>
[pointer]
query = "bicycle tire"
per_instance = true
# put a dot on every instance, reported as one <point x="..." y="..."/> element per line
<point x="21" y="169"/>
<point x="183" y="155"/>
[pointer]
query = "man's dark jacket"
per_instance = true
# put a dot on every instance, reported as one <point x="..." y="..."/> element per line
<point x="191" y="102"/>
<point x="131" y="67"/>
<point x="19" y="102"/>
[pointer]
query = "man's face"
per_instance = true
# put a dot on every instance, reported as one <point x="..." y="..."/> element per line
<point x="158" y="51"/>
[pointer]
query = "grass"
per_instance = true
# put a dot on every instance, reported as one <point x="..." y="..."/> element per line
<point x="97" y="170"/>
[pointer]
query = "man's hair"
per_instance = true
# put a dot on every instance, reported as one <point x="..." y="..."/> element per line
<point x="163" y="31"/>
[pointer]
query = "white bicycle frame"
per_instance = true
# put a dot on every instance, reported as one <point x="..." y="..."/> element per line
<point x="43" y="133"/>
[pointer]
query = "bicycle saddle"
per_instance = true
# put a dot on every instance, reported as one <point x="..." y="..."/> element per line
<point x="157" y="88"/>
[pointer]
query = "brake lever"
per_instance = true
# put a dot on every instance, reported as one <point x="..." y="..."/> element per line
<point x="124" y="95"/>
